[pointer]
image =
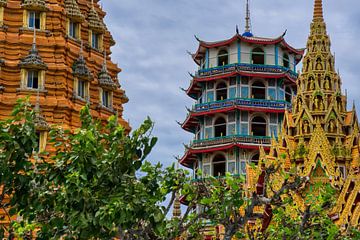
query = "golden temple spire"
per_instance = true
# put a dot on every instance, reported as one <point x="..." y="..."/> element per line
<point x="318" y="11"/>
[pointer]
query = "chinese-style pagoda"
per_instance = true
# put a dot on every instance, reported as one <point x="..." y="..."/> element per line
<point x="55" y="51"/>
<point x="242" y="89"/>
<point x="320" y="137"/>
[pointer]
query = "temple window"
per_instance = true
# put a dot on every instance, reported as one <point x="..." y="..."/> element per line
<point x="219" y="165"/>
<point x="286" y="60"/>
<point x="258" y="56"/>
<point x="82" y="88"/>
<point x="34" y="15"/>
<point x="96" y="29"/>
<point x="32" y="79"/>
<point x="223" y="58"/>
<point x="258" y="90"/>
<point x="288" y="94"/>
<point x="34" y="19"/>
<point x="41" y="141"/>
<point x="258" y="126"/>
<point x="73" y="29"/>
<point x="220" y="127"/>
<point x="342" y="170"/>
<point x="221" y="91"/>
<point x="106" y="98"/>
<point x="96" y="40"/>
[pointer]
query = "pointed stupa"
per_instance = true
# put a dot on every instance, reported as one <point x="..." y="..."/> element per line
<point x="80" y="69"/>
<point x="72" y="10"/>
<point x="95" y="23"/>
<point x="35" y="5"/>
<point x="33" y="60"/>
<point x="105" y="80"/>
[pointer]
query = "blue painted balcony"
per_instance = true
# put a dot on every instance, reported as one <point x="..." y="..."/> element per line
<point x="233" y="139"/>
<point x="246" y="67"/>
<point x="244" y="104"/>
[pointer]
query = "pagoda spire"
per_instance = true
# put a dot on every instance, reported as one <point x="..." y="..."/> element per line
<point x="247" y="32"/>
<point x="318" y="11"/>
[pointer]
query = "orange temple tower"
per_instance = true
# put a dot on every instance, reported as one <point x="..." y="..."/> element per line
<point x="64" y="62"/>
<point x="58" y="52"/>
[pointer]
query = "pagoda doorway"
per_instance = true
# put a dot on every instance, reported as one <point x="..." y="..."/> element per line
<point x="220" y="127"/>
<point x="258" y="127"/>
<point x="219" y="165"/>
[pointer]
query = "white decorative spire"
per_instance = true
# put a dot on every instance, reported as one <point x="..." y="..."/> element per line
<point x="247" y="32"/>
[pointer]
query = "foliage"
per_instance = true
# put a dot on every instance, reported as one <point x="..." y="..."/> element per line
<point x="98" y="185"/>
<point x="17" y="142"/>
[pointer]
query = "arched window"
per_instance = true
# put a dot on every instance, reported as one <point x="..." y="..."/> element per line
<point x="286" y="61"/>
<point x="258" y="126"/>
<point x="220" y="127"/>
<point x="221" y="91"/>
<point x="255" y="158"/>
<point x="258" y="56"/>
<point x="288" y="96"/>
<point x="258" y="90"/>
<point x="223" y="58"/>
<point x="219" y="165"/>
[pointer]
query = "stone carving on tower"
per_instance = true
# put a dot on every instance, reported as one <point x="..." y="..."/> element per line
<point x="320" y="138"/>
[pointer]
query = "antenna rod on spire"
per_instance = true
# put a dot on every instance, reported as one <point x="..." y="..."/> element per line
<point x="247" y="18"/>
<point x="34" y="38"/>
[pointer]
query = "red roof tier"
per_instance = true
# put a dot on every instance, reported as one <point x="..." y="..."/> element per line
<point x="255" y="40"/>
<point x="190" y="155"/>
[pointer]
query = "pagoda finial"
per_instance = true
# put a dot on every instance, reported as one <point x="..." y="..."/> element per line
<point x="318" y="11"/>
<point x="247" y="32"/>
<point x="37" y="104"/>
<point x="105" y="64"/>
<point x="34" y="49"/>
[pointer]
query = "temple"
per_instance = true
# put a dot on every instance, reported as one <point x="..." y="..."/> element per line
<point x="242" y="89"/>
<point x="320" y="137"/>
<point x="58" y="52"/>
<point x="55" y="51"/>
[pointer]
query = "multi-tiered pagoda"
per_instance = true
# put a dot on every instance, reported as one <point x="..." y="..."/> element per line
<point x="59" y="51"/>
<point x="242" y="89"/>
<point x="320" y="137"/>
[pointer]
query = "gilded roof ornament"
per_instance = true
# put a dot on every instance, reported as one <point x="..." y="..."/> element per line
<point x="105" y="79"/>
<point x="39" y="5"/>
<point x="95" y="23"/>
<point x="33" y="60"/>
<point x="72" y="10"/>
<point x="80" y="69"/>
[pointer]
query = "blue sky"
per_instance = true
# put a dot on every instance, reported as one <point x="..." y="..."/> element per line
<point x="153" y="36"/>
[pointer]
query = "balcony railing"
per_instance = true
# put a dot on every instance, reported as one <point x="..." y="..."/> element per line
<point x="247" y="139"/>
<point x="244" y="102"/>
<point x="245" y="67"/>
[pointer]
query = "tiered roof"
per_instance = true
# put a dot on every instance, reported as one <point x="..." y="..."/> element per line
<point x="34" y="4"/>
<point x="95" y="23"/>
<point x="73" y="11"/>
<point x="320" y="135"/>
